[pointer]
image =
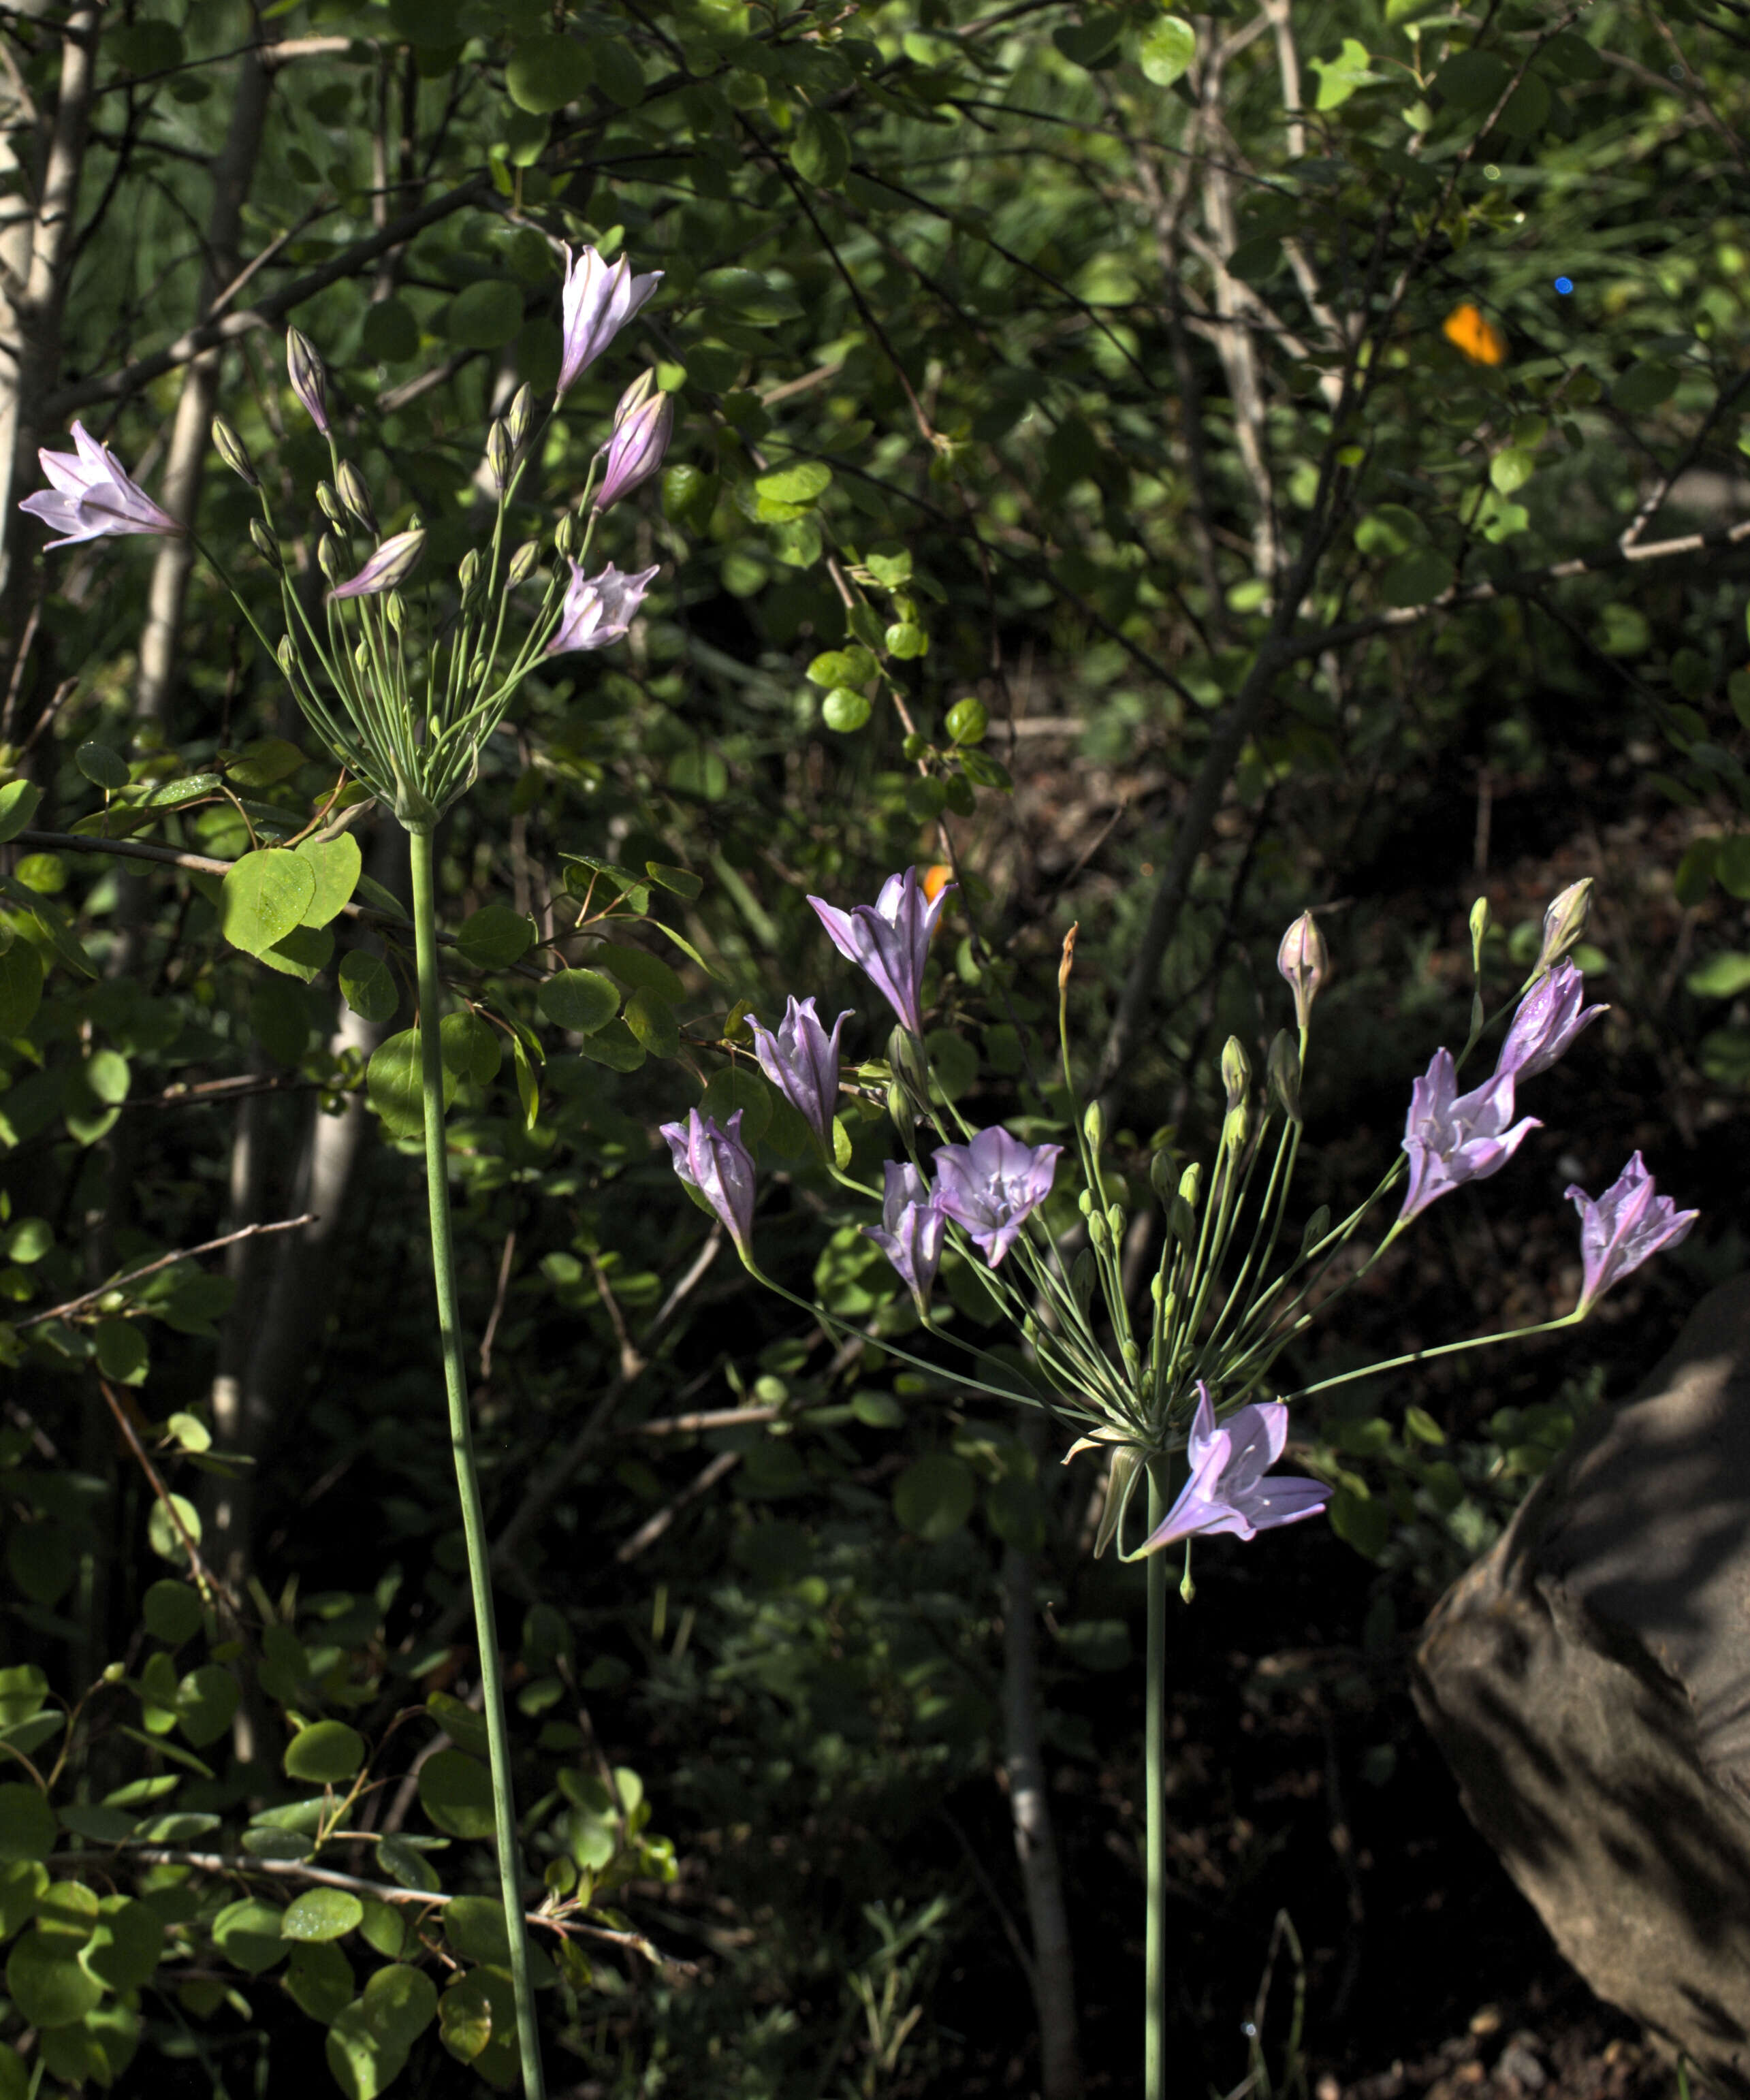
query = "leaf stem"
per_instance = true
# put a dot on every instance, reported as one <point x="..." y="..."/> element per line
<point x="461" y="1444"/>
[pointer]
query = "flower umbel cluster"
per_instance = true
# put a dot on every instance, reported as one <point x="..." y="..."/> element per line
<point x="407" y="706"/>
<point x="1184" y="1373"/>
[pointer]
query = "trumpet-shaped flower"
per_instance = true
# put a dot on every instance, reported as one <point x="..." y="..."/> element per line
<point x="993" y="1185"/>
<point x="801" y="1060"/>
<point x="92" y="497"/>
<point x="1551" y="1014"/>
<point x="1228" y="1489"/>
<point x="889" y="940"/>
<point x="720" y="1167"/>
<point x="643" y="424"/>
<point x="910" y="1231"/>
<point x="597" y="610"/>
<point x="599" y="300"/>
<point x="388" y="568"/>
<point x="1452" y="1138"/>
<point x="1629" y="1222"/>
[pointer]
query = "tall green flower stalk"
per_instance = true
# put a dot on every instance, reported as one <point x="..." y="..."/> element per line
<point x="1177" y="1391"/>
<point x="407" y="706"/>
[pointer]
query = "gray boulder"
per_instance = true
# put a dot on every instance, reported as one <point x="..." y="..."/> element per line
<point x="1588" y="1681"/>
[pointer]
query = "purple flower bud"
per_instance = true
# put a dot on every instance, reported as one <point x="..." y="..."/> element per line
<point x="1551" y="1014"/>
<point x="1627" y="1225"/>
<point x="643" y="424"/>
<point x="1565" y="921"/>
<point x="92" y="498"/>
<point x="802" y="1061"/>
<point x="309" y="377"/>
<point x="597" y="302"/>
<point x="993" y="1185"/>
<point x="889" y="940"/>
<point x="231" y="450"/>
<point x="598" y="610"/>
<point x="388" y="568"/>
<point x="1452" y="1138"/>
<point x="500" y="454"/>
<point x="1305" y="963"/>
<point x="717" y="1164"/>
<point x="1228" y="1490"/>
<point x="910" y="1231"/>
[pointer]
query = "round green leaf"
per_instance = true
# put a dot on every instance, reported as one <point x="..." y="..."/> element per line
<point x="465" y="2017"/>
<point x="127" y="1945"/>
<point x="205" y="1702"/>
<point x="263" y="1842"/>
<point x="321" y="1914"/>
<point x="327" y="1752"/>
<point x="486" y="316"/>
<point x="473" y="1047"/>
<point x="40" y="1558"/>
<point x="1473" y="80"/>
<point x="474" y="1927"/>
<point x="819" y="151"/>
<point x="26" y="1823"/>
<point x="651" y="1020"/>
<point x="121" y="1353"/>
<point x="369" y="2040"/>
<point x="547" y="72"/>
<point x="403" y="1862"/>
<point x="102" y="767"/>
<point x="495" y="937"/>
<point x="319" y="1979"/>
<point x="368" y="987"/>
<point x="1644" y="386"/>
<point x="20" y="988"/>
<point x="640" y="971"/>
<point x="108" y="1075"/>
<point x="162" y="1535"/>
<point x="580" y="1000"/>
<point x="337" y="865"/>
<point x="1415" y="578"/>
<point x="392" y="334"/>
<point x="953" y="1062"/>
<point x="1166" y="50"/>
<point x="1510" y="470"/>
<point x="46" y="1981"/>
<point x="247" y="1933"/>
<point x="265" y="895"/>
<point x="99" y="1826"/>
<point x="393" y="1082"/>
<point x="968" y="721"/>
<point x="385" y="1929"/>
<point x="712" y="367"/>
<point x="172" y="1612"/>
<point x="455" y="1792"/>
<point x="805" y="483"/>
<point x="844" y="710"/>
<point x="19" y="802"/>
<point x="934" y="1496"/>
<point x="279" y="1018"/>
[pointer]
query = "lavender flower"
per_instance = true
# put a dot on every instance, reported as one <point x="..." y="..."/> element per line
<point x="309" y="377"/>
<point x="910" y="1231"/>
<point x="1628" y="1223"/>
<point x="1551" y="1014"/>
<point x="1452" y="1138"/>
<point x="889" y="940"/>
<point x="991" y="1186"/>
<point x="717" y="1164"/>
<point x="92" y="497"/>
<point x="1228" y="1490"/>
<point x="1304" y="962"/>
<point x="802" y="1061"/>
<point x="643" y="424"/>
<point x="597" y="302"/>
<point x="598" y="610"/>
<point x="388" y="568"/>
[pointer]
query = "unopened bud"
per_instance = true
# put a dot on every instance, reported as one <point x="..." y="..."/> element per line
<point x="468" y="574"/>
<point x="1284" y="1074"/>
<point x="265" y="542"/>
<point x="1163" y="1174"/>
<point x="1068" y="959"/>
<point x="565" y="536"/>
<point x="1236" y="1128"/>
<point x="395" y="611"/>
<point x="361" y="657"/>
<point x="907" y="1063"/>
<point x="1094" y="1125"/>
<point x="1235" y="1071"/>
<point x="1115" y="1221"/>
<point x="520" y="414"/>
<point x="309" y="377"/>
<point x="899" y="1108"/>
<point x="522" y="563"/>
<point x="1132" y="1355"/>
<point x="330" y="504"/>
<point x="1096" y="1231"/>
<point x="1480" y="920"/>
<point x="229" y="446"/>
<point x="1084" y="1273"/>
<point x="1305" y="963"/>
<point x="1564" y="922"/>
<point x="331" y="558"/>
<point x="1085" y="1202"/>
<point x="1191" y="1183"/>
<point x="286" y="655"/>
<point x="1182" y="1221"/>
<point x="1317" y="1226"/>
<point x="355" y="495"/>
<point x="499" y="454"/>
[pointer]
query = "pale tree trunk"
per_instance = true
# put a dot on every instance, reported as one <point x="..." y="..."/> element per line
<point x="185" y="462"/>
<point x="38" y="254"/>
<point x="1035" y="1840"/>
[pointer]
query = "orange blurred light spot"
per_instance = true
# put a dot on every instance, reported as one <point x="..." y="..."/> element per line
<point x="1479" y="339"/>
<point x="936" y="880"/>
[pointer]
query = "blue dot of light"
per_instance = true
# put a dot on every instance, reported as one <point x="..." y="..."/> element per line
<point x="1564" y="285"/>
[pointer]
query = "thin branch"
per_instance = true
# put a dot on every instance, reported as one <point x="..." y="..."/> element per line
<point x="212" y="1591"/>
<point x="701" y="1485"/>
<point x="123" y="1277"/>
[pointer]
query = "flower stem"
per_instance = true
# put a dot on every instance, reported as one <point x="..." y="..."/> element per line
<point x="1154" y="1793"/>
<point x="461" y="1444"/>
